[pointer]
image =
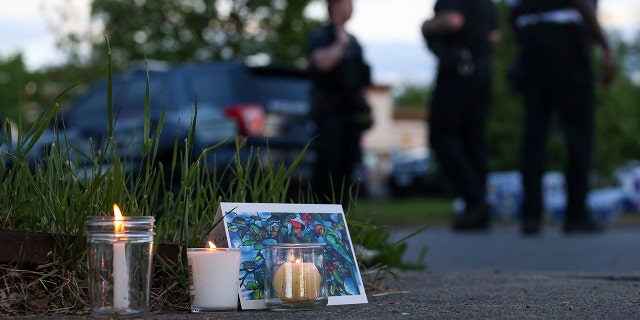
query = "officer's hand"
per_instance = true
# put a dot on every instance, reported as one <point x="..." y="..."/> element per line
<point x="342" y="37"/>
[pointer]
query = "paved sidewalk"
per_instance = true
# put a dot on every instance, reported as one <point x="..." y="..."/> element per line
<point x="476" y="295"/>
<point x="482" y="295"/>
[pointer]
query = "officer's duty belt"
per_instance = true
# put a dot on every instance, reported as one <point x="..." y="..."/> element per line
<point x="562" y="16"/>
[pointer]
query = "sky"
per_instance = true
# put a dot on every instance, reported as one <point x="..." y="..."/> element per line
<point x="387" y="29"/>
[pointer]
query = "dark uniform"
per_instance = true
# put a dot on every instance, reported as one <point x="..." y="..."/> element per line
<point x="341" y="114"/>
<point x="460" y="105"/>
<point x="557" y="76"/>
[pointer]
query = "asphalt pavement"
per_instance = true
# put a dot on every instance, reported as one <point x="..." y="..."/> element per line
<point x="617" y="250"/>
<point x="495" y="275"/>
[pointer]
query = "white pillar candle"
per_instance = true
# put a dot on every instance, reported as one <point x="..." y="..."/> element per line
<point x="120" y="269"/>
<point x="296" y="281"/>
<point x="213" y="274"/>
<point x="120" y="277"/>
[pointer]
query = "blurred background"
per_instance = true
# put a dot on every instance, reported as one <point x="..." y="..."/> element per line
<point x="47" y="46"/>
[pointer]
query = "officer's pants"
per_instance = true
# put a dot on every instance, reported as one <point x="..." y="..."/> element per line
<point x="457" y="127"/>
<point x="557" y="77"/>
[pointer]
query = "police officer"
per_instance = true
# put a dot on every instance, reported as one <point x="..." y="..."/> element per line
<point x="556" y="39"/>
<point x="339" y="77"/>
<point x="461" y="35"/>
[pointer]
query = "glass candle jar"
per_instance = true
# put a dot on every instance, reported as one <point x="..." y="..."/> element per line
<point x="120" y="256"/>
<point x="295" y="276"/>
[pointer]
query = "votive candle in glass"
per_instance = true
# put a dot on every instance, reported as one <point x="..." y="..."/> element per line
<point x="120" y="257"/>
<point x="295" y="276"/>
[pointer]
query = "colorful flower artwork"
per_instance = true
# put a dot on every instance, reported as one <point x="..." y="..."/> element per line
<point x="251" y="230"/>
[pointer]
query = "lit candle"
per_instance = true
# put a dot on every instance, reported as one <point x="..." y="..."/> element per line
<point x="296" y="281"/>
<point x="120" y="271"/>
<point x="214" y="274"/>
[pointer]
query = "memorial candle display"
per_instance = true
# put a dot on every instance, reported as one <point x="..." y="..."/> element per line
<point x="213" y="277"/>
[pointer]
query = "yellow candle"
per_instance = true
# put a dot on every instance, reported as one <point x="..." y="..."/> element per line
<point x="296" y="281"/>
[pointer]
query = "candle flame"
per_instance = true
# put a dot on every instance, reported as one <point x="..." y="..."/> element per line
<point x="118" y="218"/>
<point x="297" y="260"/>
<point x="211" y="245"/>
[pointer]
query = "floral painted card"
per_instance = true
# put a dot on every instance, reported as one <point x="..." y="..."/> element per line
<point x="251" y="226"/>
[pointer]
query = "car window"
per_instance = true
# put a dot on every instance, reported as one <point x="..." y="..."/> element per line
<point x="93" y="105"/>
<point x="132" y="99"/>
<point x="220" y="86"/>
<point x="283" y="95"/>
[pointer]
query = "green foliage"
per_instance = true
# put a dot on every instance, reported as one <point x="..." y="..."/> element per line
<point x="505" y="120"/>
<point x="416" y="211"/>
<point x="24" y="93"/>
<point x="390" y="254"/>
<point x="411" y="95"/>
<point x="18" y="86"/>
<point x="180" y="31"/>
<point x="617" y="125"/>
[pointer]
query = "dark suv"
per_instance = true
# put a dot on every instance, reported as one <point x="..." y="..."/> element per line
<point x="267" y="105"/>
